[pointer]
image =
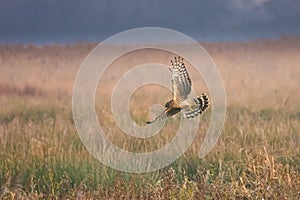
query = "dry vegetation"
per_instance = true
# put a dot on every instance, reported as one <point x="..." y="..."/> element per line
<point x="256" y="157"/>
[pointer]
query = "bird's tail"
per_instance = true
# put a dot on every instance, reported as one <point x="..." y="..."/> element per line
<point x="202" y="102"/>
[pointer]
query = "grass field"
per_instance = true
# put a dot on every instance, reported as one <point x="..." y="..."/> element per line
<point x="256" y="157"/>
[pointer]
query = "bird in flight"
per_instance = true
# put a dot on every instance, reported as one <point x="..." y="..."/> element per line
<point x="181" y="85"/>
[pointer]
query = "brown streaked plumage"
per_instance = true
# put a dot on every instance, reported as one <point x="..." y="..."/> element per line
<point x="181" y="84"/>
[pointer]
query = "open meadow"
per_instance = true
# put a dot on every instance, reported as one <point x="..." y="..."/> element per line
<point x="256" y="157"/>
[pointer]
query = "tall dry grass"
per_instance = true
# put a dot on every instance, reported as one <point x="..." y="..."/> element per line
<point x="256" y="157"/>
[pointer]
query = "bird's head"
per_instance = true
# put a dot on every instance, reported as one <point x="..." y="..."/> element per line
<point x="168" y="104"/>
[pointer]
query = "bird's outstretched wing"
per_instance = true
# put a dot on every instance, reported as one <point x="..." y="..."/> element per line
<point x="165" y="114"/>
<point x="201" y="102"/>
<point x="181" y="81"/>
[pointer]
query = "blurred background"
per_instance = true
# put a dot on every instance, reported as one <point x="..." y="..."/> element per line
<point x="69" y="21"/>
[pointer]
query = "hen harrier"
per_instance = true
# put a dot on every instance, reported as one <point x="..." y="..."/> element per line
<point x="181" y="84"/>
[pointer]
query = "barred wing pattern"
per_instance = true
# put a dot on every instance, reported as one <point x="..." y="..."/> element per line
<point x="203" y="103"/>
<point x="181" y="81"/>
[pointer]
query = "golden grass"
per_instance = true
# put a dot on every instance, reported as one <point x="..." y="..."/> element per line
<point x="257" y="155"/>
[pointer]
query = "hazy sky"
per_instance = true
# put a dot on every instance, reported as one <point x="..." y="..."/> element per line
<point x="63" y="21"/>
